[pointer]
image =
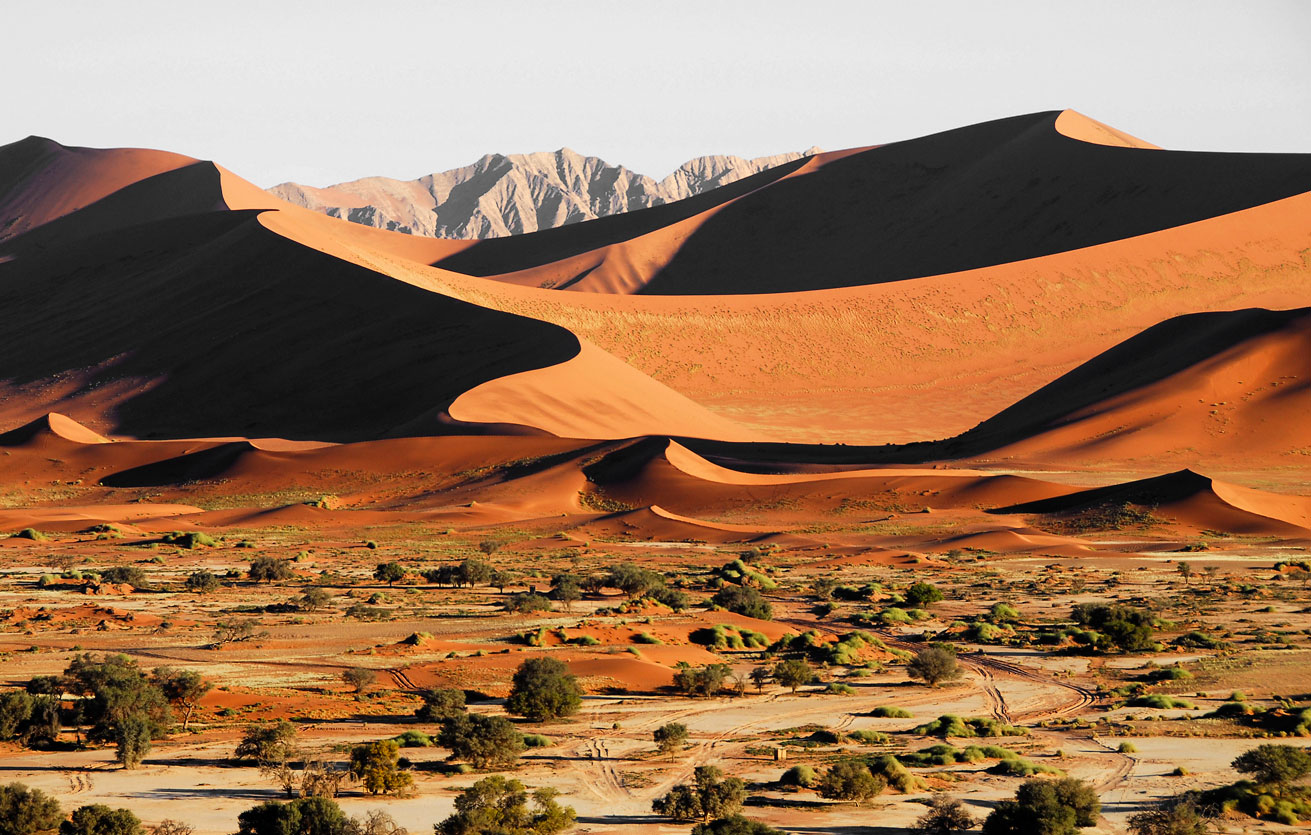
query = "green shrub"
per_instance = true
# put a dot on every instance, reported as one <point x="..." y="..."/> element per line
<point x="801" y="776"/>
<point x="890" y="712"/>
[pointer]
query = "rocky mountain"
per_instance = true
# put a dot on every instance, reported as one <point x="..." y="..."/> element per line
<point x="503" y="195"/>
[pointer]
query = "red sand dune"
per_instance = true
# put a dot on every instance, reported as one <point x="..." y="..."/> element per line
<point x="1192" y="499"/>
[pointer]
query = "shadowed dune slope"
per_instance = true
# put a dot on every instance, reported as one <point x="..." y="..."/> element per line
<point x="41" y="180"/>
<point x="993" y="193"/>
<point x="1214" y="386"/>
<point x="212" y="325"/>
<point x="1190" y="498"/>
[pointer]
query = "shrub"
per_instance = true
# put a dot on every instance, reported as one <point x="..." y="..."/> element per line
<point x="1176" y="816"/>
<point x="189" y="540"/>
<point x="744" y="600"/>
<point x="869" y="737"/>
<point x="98" y="819"/>
<point x="1120" y="627"/>
<point x="537" y="741"/>
<point x="269" y="569"/>
<point x="1161" y="701"/>
<point x="933" y="665"/>
<point x="527" y="602"/>
<point x="734" y="825"/>
<point x="921" y="595"/>
<point x="129" y="575"/>
<point x="801" y="776"/>
<point x="946" y="815"/>
<point x="890" y="712"/>
<point x="543" y="688"/>
<point x="414" y="739"/>
<point x="25" y="811"/>
<point x="30" y="533"/>
<point x="850" y="779"/>
<point x="499" y="805"/>
<point x="202" y="582"/>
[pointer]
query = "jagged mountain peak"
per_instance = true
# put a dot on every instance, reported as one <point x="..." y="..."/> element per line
<point x="509" y="194"/>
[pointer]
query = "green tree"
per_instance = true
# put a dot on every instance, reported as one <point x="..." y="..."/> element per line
<point x="15" y="712"/>
<point x="700" y="681"/>
<point x="711" y="795"/>
<point x="793" y="673"/>
<point x="129" y="575"/>
<point x="760" y="675"/>
<point x="670" y="737"/>
<point x="389" y="573"/>
<point x="267" y="744"/>
<point x="744" y="600"/>
<point x="946" y="816"/>
<point x="269" y="569"/>
<point x="850" y="779"/>
<point x="933" y="665"/>
<point x="482" y="741"/>
<point x="183" y="688"/>
<point x="313" y="599"/>
<point x="359" y="678"/>
<point x="377" y="766"/>
<point x="1045" y="807"/>
<point x="303" y="816"/>
<point x="542" y="688"/>
<point x="499" y="806"/>
<point x="734" y="825"/>
<point x="633" y="580"/>
<point x="131" y="740"/>
<point x="1274" y="764"/>
<point x="116" y="690"/>
<point x="439" y="703"/>
<point x="25" y="811"/>
<point x="565" y="588"/>
<point x="99" y="819"/>
<point x="475" y="572"/>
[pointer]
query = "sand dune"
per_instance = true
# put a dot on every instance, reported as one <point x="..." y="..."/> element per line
<point x="1227" y="386"/>
<point x="998" y="192"/>
<point x="41" y="180"/>
<point x="1190" y="498"/>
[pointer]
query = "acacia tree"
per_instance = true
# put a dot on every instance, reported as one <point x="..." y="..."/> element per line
<point x="793" y="673"/>
<point x="946" y="816"/>
<point x="377" y="766"/>
<point x="1274" y="764"/>
<point x="670" y="737"/>
<point x="25" y="811"/>
<point x="499" y="805"/>
<point x="389" y="573"/>
<point x="711" y="795"/>
<point x="543" y="688"/>
<point x="933" y="665"/>
<point x="184" y="688"/>
<point x="481" y="740"/>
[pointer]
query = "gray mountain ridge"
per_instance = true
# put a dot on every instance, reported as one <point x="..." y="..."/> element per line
<point x="503" y="195"/>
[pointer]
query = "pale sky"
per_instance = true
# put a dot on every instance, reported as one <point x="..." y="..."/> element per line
<point x="320" y="92"/>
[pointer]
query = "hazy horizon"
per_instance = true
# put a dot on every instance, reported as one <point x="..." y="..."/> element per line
<point x="329" y="92"/>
